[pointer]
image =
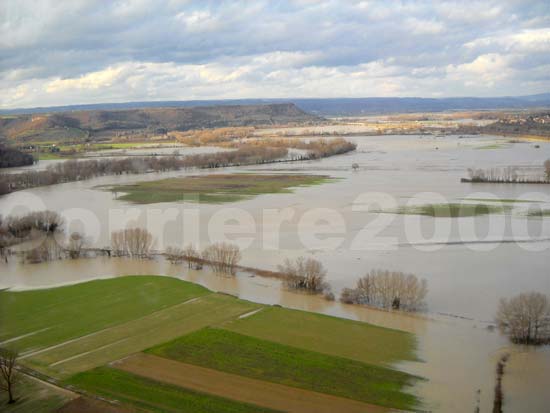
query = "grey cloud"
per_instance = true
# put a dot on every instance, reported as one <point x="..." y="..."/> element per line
<point x="48" y="40"/>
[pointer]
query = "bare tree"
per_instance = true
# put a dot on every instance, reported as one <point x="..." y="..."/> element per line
<point x="75" y="244"/>
<point x="47" y="250"/>
<point x="6" y="240"/>
<point x="192" y="255"/>
<point x="304" y="274"/>
<point x="525" y="318"/>
<point x="8" y="372"/>
<point x="388" y="289"/>
<point x="175" y="255"/>
<point x="132" y="242"/>
<point x="547" y="169"/>
<point x="223" y="257"/>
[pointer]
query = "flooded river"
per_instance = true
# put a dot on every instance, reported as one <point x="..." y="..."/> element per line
<point x="469" y="262"/>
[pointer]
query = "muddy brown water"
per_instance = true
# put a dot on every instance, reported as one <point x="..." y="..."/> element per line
<point x="467" y="265"/>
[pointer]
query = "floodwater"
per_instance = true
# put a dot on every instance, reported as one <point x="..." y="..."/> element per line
<point x="458" y="356"/>
<point x="469" y="262"/>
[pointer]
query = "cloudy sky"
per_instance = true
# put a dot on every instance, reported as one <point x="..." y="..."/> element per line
<point x="81" y="51"/>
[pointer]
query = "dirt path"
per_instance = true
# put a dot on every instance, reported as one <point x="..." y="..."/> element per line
<point x="231" y="386"/>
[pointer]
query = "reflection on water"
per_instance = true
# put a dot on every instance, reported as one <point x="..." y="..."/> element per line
<point x="458" y="357"/>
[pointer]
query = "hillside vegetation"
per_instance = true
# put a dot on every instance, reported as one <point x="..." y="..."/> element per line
<point x="95" y="124"/>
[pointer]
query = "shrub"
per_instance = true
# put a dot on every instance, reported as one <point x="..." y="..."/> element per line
<point x="525" y="318"/>
<point x="304" y="274"/>
<point x="175" y="255"/>
<point x="192" y="255"/>
<point x="133" y="242"/>
<point x="389" y="290"/>
<point x="223" y="257"/>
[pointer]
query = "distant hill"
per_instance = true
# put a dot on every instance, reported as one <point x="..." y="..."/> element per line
<point x="329" y="106"/>
<point x="83" y="124"/>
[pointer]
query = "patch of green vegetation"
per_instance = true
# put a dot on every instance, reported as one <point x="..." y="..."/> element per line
<point x="452" y="210"/>
<point x="264" y="360"/>
<point x="33" y="396"/>
<point x="42" y="318"/>
<point x="152" y="396"/>
<point x="492" y="146"/>
<point x="215" y="188"/>
<point x="49" y="156"/>
<point x="330" y="335"/>
<point x="139" y="334"/>
<point x="505" y="200"/>
<point x="128" y="145"/>
<point x="541" y="213"/>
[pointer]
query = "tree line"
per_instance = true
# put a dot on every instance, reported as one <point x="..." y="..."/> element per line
<point x="509" y="174"/>
<point x="78" y="170"/>
<point x="10" y="157"/>
<point x="75" y="170"/>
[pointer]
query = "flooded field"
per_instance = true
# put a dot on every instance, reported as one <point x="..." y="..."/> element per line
<point x="349" y="225"/>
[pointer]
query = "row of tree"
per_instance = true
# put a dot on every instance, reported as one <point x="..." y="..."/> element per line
<point x="525" y="318"/>
<point x="10" y="157"/>
<point x="75" y="170"/>
<point x="315" y="148"/>
<point x="245" y="154"/>
<point x="507" y="174"/>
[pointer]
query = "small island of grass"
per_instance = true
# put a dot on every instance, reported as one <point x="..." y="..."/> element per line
<point x="541" y="213"/>
<point x="217" y="188"/>
<point x="452" y="210"/>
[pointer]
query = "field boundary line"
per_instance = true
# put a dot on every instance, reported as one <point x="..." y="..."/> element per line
<point x="251" y="313"/>
<point x="44" y="350"/>
<point x="23" y="336"/>
<point x="89" y="352"/>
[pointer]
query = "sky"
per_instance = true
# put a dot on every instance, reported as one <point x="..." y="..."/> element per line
<point x="63" y="52"/>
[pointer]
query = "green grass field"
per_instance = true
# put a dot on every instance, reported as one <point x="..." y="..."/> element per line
<point x="136" y="335"/>
<point x="264" y="360"/>
<point x="215" y="188"/>
<point x="540" y="213"/>
<point x="331" y="335"/>
<point x="42" y="318"/>
<point x="152" y="396"/>
<point x="451" y="210"/>
<point x="66" y="330"/>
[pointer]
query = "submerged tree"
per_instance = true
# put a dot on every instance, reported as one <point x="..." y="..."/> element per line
<point x="547" y="169"/>
<point x="304" y="274"/>
<point x="133" y="242"/>
<point x="75" y="244"/>
<point x="525" y="318"/>
<point x="223" y="257"/>
<point x="8" y="372"/>
<point x="388" y="289"/>
<point x="175" y="255"/>
<point x="192" y="255"/>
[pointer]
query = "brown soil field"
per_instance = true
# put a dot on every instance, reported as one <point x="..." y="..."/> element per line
<point x="260" y="393"/>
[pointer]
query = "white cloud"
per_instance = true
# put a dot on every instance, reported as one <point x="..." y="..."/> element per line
<point x="84" y="51"/>
<point x="484" y="71"/>
<point x="421" y="27"/>
<point x="95" y="80"/>
<point x="530" y="40"/>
